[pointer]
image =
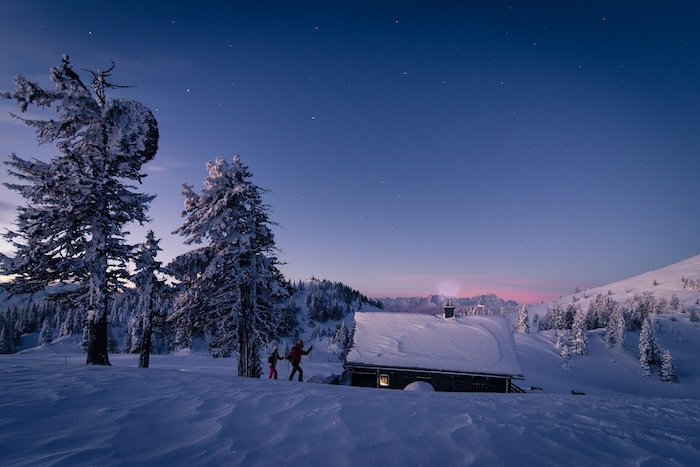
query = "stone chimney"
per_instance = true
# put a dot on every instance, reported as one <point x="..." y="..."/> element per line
<point x="449" y="309"/>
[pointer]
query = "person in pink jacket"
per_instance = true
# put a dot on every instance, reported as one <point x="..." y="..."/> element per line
<point x="272" y="361"/>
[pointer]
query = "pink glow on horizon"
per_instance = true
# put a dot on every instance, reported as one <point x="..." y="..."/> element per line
<point x="522" y="290"/>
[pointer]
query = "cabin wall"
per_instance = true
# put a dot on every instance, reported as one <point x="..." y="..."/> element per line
<point x="449" y="382"/>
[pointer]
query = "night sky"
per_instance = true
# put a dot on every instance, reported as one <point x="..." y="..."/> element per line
<point x="517" y="148"/>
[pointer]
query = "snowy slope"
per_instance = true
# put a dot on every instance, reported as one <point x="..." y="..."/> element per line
<point x="667" y="281"/>
<point x="613" y="371"/>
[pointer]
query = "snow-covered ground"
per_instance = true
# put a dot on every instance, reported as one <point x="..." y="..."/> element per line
<point x="190" y="410"/>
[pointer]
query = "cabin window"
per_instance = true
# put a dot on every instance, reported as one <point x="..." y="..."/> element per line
<point x="383" y="381"/>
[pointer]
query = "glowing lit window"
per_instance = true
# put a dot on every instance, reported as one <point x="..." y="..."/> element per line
<point x="383" y="381"/>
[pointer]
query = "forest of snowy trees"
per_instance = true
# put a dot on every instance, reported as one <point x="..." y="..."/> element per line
<point x="332" y="300"/>
<point x="71" y="248"/>
<point x="572" y="323"/>
<point x="129" y="320"/>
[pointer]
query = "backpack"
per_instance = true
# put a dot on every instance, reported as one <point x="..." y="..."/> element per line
<point x="271" y="359"/>
<point x="294" y="354"/>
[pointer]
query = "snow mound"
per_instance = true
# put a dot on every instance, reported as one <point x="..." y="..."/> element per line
<point x="420" y="386"/>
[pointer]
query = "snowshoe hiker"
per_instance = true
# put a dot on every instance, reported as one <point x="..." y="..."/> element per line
<point x="272" y="361"/>
<point x="295" y="357"/>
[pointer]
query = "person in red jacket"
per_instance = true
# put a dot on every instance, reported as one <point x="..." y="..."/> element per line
<point x="295" y="357"/>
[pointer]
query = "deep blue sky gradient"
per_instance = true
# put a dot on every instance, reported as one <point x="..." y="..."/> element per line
<point x="410" y="148"/>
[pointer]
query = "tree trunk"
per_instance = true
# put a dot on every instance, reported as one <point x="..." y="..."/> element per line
<point x="248" y="354"/>
<point x="145" y="347"/>
<point x="97" y="341"/>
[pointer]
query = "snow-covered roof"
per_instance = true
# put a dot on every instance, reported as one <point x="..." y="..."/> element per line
<point x="462" y="344"/>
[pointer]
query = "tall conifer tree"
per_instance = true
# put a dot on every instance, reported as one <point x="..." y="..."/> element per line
<point x="668" y="369"/>
<point x="579" y="338"/>
<point x="231" y="286"/>
<point x="72" y="227"/>
<point x="522" y="321"/>
<point x="150" y="289"/>
<point x="616" y="328"/>
<point x="649" y="352"/>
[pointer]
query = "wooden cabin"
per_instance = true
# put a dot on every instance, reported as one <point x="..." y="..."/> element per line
<point x="453" y="353"/>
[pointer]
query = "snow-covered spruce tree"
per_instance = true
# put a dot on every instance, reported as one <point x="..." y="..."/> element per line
<point x="579" y="338"/>
<point x="565" y="356"/>
<point x="150" y="288"/>
<point x="592" y="315"/>
<point x="522" y="321"/>
<point x="78" y="203"/>
<point x="646" y="370"/>
<point x="559" y="343"/>
<point x="675" y="304"/>
<point x="7" y="344"/>
<point x="668" y="369"/>
<point x="616" y="328"/>
<point x="648" y="347"/>
<point x="342" y="335"/>
<point x="599" y="311"/>
<point x="45" y="335"/>
<point x="641" y="307"/>
<point x="569" y="314"/>
<point x="231" y="286"/>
